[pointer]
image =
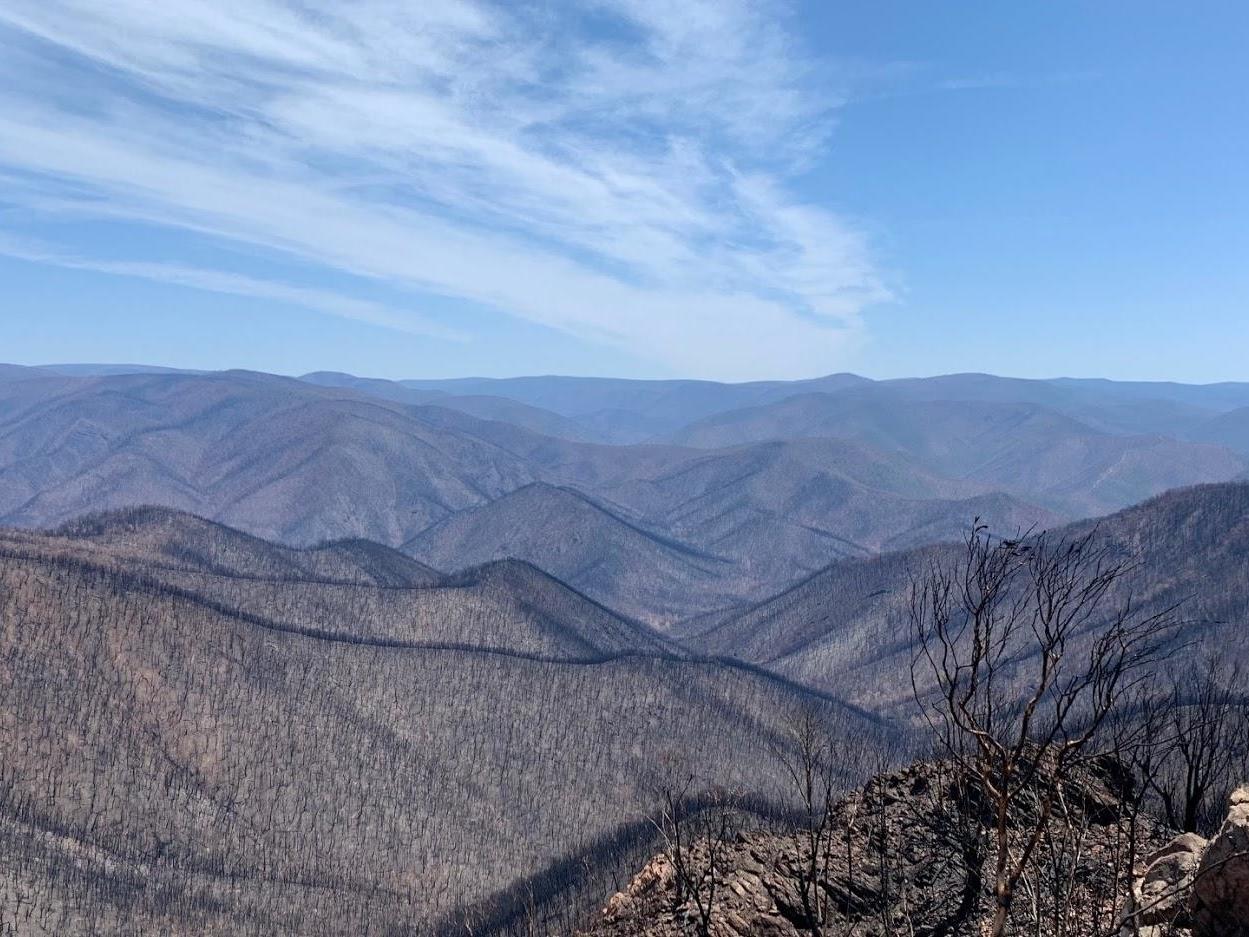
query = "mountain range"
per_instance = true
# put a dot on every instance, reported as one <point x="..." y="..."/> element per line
<point x="218" y="734"/>
<point x="846" y="627"/>
<point x="663" y="500"/>
<point x="207" y="732"/>
<point x="412" y="658"/>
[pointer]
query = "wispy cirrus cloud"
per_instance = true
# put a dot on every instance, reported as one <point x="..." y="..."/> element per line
<point x="220" y="281"/>
<point x="618" y="170"/>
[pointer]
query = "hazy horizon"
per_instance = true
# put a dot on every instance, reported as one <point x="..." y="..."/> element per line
<point x="119" y="366"/>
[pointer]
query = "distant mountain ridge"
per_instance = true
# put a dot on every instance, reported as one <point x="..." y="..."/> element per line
<point x="291" y="461"/>
<point x="664" y="406"/>
<point x="1023" y="448"/>
<point x="575" y="539"/>
<point x="743" y="489"/>
<point x="846" y="626"/>
<point x="364" y="591"/>
<point x="156" y="534"/>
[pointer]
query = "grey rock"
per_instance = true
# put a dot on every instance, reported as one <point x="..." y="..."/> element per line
<point x="1220" y="895"/>
<point x="1161" y="895"/>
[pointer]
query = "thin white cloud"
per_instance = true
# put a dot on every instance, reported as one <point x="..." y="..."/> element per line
<point x="617" y="170"/>
<point x="219" y="281"/>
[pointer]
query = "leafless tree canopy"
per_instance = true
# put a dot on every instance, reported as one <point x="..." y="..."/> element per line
<point x="1020" y="662"/>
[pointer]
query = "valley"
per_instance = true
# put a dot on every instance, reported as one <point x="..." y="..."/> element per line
<point x="281" y="652"/>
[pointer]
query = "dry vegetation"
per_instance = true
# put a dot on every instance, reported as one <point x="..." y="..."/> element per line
<point x="847" y="628"/>
<point x="1067" y="739"/>
<point x="173" y="765"/>
<point x="205" y="733"/>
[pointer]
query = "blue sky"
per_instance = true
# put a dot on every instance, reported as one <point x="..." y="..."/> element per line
<point x="628" y="187"/>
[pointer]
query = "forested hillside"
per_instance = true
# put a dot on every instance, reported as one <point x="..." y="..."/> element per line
<point x="847" y="626"/>
<point x="210" y="733"/>
<point x="192" y="749"/>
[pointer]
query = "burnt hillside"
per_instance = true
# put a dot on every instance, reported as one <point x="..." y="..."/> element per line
<point x="180" y="759"/>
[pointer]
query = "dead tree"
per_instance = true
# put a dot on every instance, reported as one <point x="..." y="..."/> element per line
<point x="696" y="832"/>
<point x="1138" y="740"/>
<point x="809" y="764"/>
<point x="1020" y="658"/>
<point x="1205" y="719"/>
<point x="717" y="830"/>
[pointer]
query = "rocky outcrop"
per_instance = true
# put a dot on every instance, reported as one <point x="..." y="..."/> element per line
<point x="906" y="859"/>
<point x="1160" y="896"/>
<point x="1196" y="888"/>
<point x="907" y="854"/>
<point x="1220" y="891"/>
